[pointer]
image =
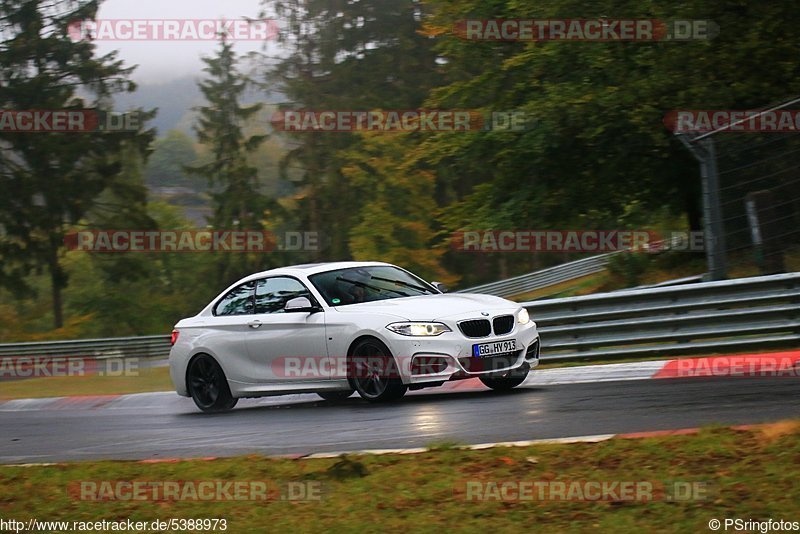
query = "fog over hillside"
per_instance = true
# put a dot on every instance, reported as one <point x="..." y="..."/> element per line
<point x="175" y="99"/>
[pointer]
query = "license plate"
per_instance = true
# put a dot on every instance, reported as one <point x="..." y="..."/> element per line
<point x="490" y="349"/>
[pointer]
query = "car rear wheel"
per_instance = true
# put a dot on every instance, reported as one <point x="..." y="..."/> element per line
<point x="374" y="373"/>
<point x="335" y="395"/>
<point x="208" y="385"/>
<point x="507" y="380"/>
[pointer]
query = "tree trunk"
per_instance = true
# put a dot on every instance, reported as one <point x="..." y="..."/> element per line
<point x="57" y="283"/>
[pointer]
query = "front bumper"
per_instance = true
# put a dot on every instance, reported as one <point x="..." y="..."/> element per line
<point x="449" y="356"/>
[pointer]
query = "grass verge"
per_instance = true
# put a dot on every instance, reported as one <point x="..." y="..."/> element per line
<point x="752" y="474"/>
<point x="146" y="380"/>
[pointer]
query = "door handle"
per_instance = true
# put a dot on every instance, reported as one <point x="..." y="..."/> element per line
<point x="254" y="324"/>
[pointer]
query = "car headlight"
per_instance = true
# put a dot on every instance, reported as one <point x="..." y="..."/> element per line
<point x="523" y="317"/>
<point x="418" y="329"/>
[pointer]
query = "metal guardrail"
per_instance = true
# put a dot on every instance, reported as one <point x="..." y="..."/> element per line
<point x="120" y="347"/>
<point x="726" y="316"/>
<point x="674" y="282"/>
<point x="544" y="278"/>
<point x="565" y="272"/>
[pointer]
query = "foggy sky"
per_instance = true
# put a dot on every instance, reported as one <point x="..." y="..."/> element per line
<point x="166" y="60"/>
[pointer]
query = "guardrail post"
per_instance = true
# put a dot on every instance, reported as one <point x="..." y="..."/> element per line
<point x="703" y="150"/>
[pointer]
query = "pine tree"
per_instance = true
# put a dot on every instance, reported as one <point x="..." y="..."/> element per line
<point x="238" y="202"/>
<point x="50" y="181"/>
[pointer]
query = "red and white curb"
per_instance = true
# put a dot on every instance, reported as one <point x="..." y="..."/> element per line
<point x="777" y="364"/>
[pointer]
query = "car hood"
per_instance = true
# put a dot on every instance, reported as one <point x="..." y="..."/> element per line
<point x="432" y="307"/>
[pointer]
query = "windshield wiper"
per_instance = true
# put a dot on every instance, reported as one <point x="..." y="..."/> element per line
<point x="368" y="286"/>
<point x="402" y="283"/>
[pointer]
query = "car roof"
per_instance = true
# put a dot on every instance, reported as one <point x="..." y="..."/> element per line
<point x="308" y="269"/>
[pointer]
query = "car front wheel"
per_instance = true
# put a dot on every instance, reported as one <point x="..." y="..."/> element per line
<point x="374" y="373"/>
<point x="208" y="385"/>
<point x="507" y="380"/>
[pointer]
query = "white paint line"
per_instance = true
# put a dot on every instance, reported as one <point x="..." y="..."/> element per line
<point x="478" y="447"/>
<point x="31" y="465"/>
<point x="23" y="405"/>
<point x="548" y="441"/>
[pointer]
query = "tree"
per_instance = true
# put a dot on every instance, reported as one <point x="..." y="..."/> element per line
<point x="51" y="180"/>
<point x="599" y="144"/>
<point x="344" y="55"/>
<point x="237" y="200"/>
<point x="166" y="165"/>
<point x="397" y="221"/>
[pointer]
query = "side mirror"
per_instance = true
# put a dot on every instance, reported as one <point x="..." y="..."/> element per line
<point x="440" y="287"/>
<point x="300" y="305"/>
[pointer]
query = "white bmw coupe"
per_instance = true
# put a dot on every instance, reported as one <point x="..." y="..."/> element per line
<point x="335" y="328"/>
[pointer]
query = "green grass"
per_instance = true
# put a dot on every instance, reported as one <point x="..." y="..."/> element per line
<point x="147" y="379"/>
<point x="591" y="283"/>
<point x="752" y="474"/>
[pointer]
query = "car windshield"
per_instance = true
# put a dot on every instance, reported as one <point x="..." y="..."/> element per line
<point x="367" y="284"/>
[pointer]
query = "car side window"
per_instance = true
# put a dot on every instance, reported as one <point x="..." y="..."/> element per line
<point x="238" y="301"/>
<point x="272" y="294"/>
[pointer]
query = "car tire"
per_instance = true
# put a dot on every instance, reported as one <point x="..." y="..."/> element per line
<point x="507" y="380"/>
<point x="208" y="386"/>
<point x="374" y="372"/>
<point x="334" y="396"/>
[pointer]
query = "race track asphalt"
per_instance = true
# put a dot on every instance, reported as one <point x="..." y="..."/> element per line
<point x="163" y="425"/>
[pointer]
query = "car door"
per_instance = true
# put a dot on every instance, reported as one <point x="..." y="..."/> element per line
<point x="224" y="332"/>
<point x="283" y="347"/>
